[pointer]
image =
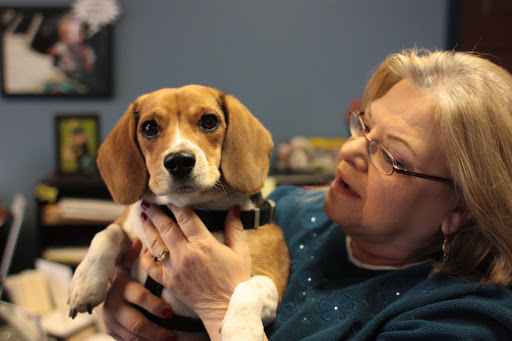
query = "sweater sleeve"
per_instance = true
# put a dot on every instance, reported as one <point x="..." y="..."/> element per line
<point x="485" y="314"/>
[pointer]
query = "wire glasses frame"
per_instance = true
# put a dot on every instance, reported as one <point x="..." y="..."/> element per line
<point x="380" y="156"/>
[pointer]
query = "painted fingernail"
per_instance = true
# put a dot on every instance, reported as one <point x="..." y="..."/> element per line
<point x="144" y="217"/>
<point x="144" y="205"/>
<point x="237" y="211"/>
<point x="167" y="313"/>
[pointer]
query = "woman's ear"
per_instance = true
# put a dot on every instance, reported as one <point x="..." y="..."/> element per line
<point x="247" y="148"/>
<point x="120" y="160"/>
<point x="455" y="220"/>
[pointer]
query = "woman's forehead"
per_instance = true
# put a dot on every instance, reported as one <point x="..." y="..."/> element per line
<point x="405" y="106"/>
<point x="409" y="114"/>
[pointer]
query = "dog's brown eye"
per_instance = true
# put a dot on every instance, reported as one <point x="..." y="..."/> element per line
<point x="209" y="122"/>
<point x="150" y="129"/>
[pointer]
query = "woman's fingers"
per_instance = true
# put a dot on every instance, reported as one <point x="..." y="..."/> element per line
<point x="156" y="244"/>
<point x="123" y="320"/>
<point x="161" y="231"/>
<point x="132" y="254"/>
<point x="137" y="294"/>
<point x="129" y="326"/>
<point x="133" y="291"/>
<point x="234" y="235"/>
<point x="190" y="224"/>
<point x="153" y="269"/>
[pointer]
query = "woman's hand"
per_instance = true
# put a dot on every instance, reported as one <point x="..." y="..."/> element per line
<point x="199" y="270"/>
<point x="122" y="319"/>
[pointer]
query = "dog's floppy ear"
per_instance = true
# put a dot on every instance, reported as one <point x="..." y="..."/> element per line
<point x="120" y="160"/>
<point x="247" y="148"/>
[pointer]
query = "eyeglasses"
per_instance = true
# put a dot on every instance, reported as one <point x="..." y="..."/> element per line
<point x="380" y="156"/>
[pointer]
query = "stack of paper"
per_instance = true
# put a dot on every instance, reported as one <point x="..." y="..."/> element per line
<point x="29" y="289"/>
<point x="80" y="211"/>
<point x="44" y="292"/>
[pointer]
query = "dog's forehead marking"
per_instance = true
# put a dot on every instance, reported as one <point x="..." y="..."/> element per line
<point x="179" y="142"/>
<point x="185" y="101"/>
<point x="186" y="95"/>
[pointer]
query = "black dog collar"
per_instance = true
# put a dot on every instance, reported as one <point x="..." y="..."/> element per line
<point x="214" y="220"/>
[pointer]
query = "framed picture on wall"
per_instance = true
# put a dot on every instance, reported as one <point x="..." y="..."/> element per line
<point x="77" y="143"/>
<point x="50" y="52"/>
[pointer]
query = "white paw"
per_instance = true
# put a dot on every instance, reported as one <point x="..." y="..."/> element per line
<point x="236" y="327"/>
<point x="89" y="285"/>
<point x="253" y="303"/>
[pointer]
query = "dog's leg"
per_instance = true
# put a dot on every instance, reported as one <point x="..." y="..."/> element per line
<point x="89" y="285"/>
<point x="253" y="304"/>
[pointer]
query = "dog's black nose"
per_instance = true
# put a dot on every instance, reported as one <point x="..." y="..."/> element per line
<point x="180" y="164"/>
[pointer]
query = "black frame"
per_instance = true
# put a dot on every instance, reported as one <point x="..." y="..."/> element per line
<point x="66" y="125"/>
<point x="30" y="34"/>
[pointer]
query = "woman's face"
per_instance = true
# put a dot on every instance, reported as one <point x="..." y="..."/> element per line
<point x="388" y="217"/>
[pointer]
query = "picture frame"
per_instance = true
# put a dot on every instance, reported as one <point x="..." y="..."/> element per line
<point x="47" y="51"/>
<point x="77" y="141"/>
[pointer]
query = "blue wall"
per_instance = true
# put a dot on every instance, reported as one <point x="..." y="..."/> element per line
<point x="295" y="64"/>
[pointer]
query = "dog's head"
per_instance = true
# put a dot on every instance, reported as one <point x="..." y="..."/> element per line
<point x="185" y="141"/>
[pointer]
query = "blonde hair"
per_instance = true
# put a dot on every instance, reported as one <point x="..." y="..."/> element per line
<point x="474" y="115"/>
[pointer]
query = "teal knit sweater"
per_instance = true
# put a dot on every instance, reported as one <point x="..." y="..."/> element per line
<point x="330" y="298"/>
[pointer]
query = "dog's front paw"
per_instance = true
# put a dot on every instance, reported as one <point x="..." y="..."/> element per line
<point x="89" y="285"/>
<point x="242" y="327"/>
<point x="253" y="303"/>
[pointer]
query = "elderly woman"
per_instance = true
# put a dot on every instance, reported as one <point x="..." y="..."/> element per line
<point x="413" y="239"/>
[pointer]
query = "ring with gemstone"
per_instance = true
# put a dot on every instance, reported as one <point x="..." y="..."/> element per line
<point x="162" y="255"/>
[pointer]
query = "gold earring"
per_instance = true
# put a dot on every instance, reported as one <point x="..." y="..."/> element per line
<point x="445" y="248"/>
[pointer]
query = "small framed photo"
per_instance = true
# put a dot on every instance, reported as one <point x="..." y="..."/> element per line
<point x="77" y="143"/>
<point x="50" y="52"/>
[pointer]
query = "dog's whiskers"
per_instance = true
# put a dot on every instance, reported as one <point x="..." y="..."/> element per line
<point x="197" y="208"/>
<point x="220" y="185"/>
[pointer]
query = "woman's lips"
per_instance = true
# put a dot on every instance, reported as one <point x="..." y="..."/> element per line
<point x="344" y="188"/>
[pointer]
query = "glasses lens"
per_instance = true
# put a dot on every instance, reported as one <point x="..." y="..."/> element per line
<point x="356" y="129"/>
<point x="381" y="158"/>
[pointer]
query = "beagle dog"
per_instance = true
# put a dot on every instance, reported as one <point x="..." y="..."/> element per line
<point x="189" y="146"/>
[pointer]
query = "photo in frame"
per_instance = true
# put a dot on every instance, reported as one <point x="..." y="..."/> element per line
<point x="77" y="143"/>
<point x="50" y="52"/>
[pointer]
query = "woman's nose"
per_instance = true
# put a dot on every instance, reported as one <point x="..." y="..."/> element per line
<point x="355" y="152"/>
